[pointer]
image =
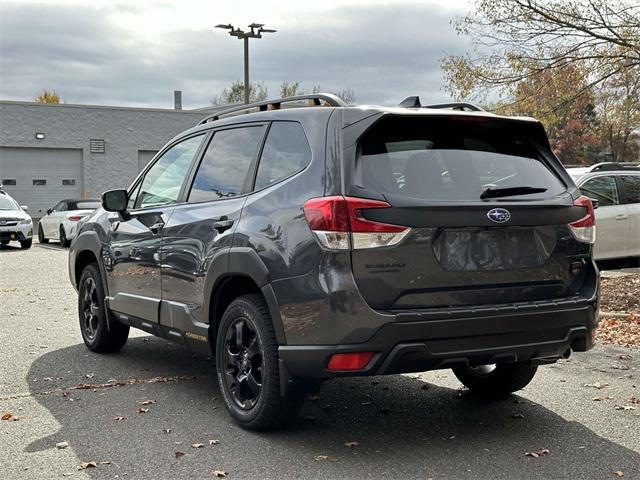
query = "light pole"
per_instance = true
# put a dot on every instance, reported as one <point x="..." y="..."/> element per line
<point x="256" y="31"/>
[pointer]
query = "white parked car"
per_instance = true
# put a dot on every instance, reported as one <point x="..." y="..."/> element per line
<point x="15" y="223"/>
<point x="62" y="220"/>
<point x="616" y="187"/>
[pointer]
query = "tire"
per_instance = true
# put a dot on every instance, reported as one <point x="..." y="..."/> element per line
<point x="41" y="237"/>
<point x="250" y="364"/>
<point x="26" y="244"/>
<point x="4" y="242"/>
<point x="92" y="314"/>
<point x="503" y="379"/>
<point x="64" y="242"/>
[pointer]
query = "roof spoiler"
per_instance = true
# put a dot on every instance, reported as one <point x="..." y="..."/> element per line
<point x="414" y="102"/>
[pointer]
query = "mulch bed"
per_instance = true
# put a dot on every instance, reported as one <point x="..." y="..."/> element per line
<point x="620" y="295"/>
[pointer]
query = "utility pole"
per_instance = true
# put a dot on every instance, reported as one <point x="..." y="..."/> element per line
<point x="255" y="31"/>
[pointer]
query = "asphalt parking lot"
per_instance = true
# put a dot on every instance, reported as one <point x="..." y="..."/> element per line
<point x="131" y="412"/>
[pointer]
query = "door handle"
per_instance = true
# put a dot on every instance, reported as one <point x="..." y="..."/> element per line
<point x="222" y="224"/>
<point x="156" y="227"/>
<point x="622" y="216"/>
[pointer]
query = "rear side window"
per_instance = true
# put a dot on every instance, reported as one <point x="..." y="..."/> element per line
<point x="444" y="158"/>
<point x="631" y="185"/>
<point x="226" y="163"/>
<point x="602" y="189"/>
<point x="286" y="151"/>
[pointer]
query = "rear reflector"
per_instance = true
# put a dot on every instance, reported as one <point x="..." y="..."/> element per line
<point x="339" y="222"/>
<point x="584" y="230"/>
<point x="341" y="362"/>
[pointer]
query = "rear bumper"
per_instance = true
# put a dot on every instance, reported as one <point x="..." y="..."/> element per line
<point x="416" y="343"/>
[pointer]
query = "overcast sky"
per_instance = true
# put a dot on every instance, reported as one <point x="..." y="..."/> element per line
<point x="137" y="52"/>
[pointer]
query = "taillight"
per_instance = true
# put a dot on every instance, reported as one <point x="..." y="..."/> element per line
<point x="338" y="223"/>
<point x="75" y="218"/>
<point x="584" y="230"/>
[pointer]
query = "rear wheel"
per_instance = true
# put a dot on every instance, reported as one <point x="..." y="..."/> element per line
<point x="247" y="367"/>
<point x="92" y="313"/>
<point x="496" y="380"/>
<point x="26" y="244"/>
<point x="4" y="242"/>
<point x="41" y="237"/>
<point x="63" y="237"/>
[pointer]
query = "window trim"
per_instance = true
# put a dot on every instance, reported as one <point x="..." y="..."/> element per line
<point x="250" y="172"/>
<point x="259" y="159"/>
<point x="206" y="134"/>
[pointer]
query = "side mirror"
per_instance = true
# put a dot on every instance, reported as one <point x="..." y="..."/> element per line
<point x="49" y="211"/>
<point x="24" y="207"/>
<point x="115" y="201"/>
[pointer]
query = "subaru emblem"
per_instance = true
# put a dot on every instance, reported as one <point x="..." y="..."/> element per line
<point x="499" y="215"/>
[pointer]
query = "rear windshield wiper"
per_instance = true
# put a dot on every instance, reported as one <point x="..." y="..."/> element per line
<point x="508" y="192"/>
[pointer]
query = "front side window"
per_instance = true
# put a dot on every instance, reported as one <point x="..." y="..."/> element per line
<point x="602" y="189"/>
<point x="59" y="207"/>
<point x="162" y="183"/>
<point x="225" y="165"/>
<point x="286" y="151"/>
<point x="454" y="159"/>
<point x="631" y="186"/>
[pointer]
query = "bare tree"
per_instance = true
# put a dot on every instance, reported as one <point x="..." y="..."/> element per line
<point x="235" y="93"/>
<point x="516" y="39"/>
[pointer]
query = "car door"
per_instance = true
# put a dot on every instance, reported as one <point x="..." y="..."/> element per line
<point x="133" y="276"/>
<point x="611" y="217"/>
<point x="51" y="221"/>
<point x="631" y="195"/>
<point x="201" y="229"/>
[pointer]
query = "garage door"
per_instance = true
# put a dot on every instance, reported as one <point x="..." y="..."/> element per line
<point x="40" y="177"/>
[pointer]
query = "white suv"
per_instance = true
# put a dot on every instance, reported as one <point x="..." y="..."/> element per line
<point x="15" y="223"/>
<point x="616" y="186"/>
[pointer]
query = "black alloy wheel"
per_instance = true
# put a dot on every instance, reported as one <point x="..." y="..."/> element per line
<point x="90" y="308"/>
<point x="243" y="363"/>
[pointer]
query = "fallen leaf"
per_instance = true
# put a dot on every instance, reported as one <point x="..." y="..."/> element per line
<point x="197" y="445"/>
<point x="517" y="415"/>
<point x="148" y="402"/>
<point x="619" y="473"/>
<point x="62" y="445"/>
<point x="599" y="399"/>
<point x="625" y="407"/>
<point x="219" y="473"/>
<point x="320" y="458"/>
<point x="214" y="442"/>
<point x="85" y="465"/>
<point x="597" y="385"/>
<point x="119" y="418"/>
<point x="351" y="444"/>
<point x="7" y="416"/>
<point x="539" y="453"/>
<point x="179" y="454"/>
<point x="167" y="430"/>
<point x="142" y="410"/>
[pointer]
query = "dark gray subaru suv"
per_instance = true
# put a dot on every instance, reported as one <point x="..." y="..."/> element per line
<point x="300" y="244"/>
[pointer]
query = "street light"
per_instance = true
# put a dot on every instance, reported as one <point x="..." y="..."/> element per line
<point x="256" y="31"/>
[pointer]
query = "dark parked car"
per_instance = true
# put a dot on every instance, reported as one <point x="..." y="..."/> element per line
<point x="301" y="244"/>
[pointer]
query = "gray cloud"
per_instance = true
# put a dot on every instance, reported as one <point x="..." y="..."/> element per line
<point x="382" y="52"/>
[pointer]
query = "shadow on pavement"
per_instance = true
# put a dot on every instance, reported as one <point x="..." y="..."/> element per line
<point x="404" y="427"/>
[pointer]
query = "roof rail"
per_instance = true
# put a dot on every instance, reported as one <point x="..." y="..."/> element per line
<point x="316" y="98"/>
<point x="414" y="102"/>
<point x="611" y="166"/>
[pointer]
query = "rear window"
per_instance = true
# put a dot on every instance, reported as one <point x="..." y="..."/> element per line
<point x="443" y="158"/>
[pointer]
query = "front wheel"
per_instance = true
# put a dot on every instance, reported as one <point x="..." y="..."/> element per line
<point x="64" y="242"/>
<point x="26" y="244"/>
<point x="496" y="380"/>
<point x="41" y="237"/>
<point x="92" y="313"/>
<point x="247" y="367"/>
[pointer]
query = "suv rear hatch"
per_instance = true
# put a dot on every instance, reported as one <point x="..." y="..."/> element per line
<point x="486" y="207"/>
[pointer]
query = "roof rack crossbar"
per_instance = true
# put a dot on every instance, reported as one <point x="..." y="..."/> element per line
<point x="315" y="98"/>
